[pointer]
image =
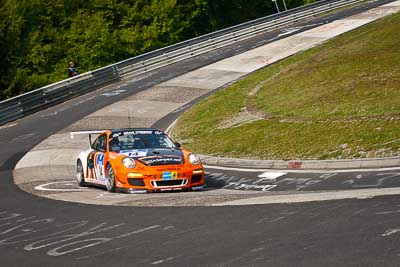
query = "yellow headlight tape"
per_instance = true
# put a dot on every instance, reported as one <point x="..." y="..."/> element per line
<point x="134" y="174"/>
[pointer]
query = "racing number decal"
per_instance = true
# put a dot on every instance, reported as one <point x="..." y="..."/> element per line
<point x="99" y="166"/>
<point x="95" y="166"/>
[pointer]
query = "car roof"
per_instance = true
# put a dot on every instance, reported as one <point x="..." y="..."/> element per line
<point x="132" y="129"/>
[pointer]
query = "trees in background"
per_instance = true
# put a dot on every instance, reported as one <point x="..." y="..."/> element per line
<point x="38" y="38"/>
<point x="225" y="13"/>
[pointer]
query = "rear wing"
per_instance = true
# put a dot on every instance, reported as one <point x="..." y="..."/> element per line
<point x="89" y="133"/>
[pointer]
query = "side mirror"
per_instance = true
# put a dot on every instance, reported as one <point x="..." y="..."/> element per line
<point x="178" y="145"/>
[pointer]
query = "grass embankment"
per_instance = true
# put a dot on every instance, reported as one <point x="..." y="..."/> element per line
<point x="337" y="100"/>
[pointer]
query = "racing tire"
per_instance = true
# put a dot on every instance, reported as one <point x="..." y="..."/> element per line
<point x="110" y="178"/>
<point x="80" y="174"/>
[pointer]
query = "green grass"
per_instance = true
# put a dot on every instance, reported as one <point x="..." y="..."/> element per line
<point x="337" y="100"/>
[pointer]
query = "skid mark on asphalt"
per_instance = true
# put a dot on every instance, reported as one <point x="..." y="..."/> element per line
<point x="65" y="108"/>
<point x="22" y="137"/>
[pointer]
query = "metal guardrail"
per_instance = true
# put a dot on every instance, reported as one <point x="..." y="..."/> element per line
<point x="28" y="103"/>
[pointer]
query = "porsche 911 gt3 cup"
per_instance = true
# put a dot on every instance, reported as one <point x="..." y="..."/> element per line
<point x="137" y="160"/>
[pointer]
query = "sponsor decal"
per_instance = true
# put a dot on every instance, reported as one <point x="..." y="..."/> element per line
<point x="136" y="132"/>
<point x="169" y="175"/>
<point x="135" y="191"/>
<point x="135" y="153"/>
<point x="116" y="135"/>
<point x="200" y="187"/>
<point x="157" y="160"/>
<point x="139" y="132"/>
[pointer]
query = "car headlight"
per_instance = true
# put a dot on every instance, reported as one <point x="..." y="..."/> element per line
<point x="194" y="159"/>
<point x="129" y="163"/>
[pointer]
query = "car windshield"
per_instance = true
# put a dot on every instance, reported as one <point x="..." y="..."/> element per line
<point x="130" y="140"/>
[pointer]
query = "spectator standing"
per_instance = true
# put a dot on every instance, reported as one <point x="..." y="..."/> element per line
<point x="72" y="70"/>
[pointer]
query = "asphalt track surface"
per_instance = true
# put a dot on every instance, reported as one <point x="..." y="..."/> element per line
<point x="36" y="231"/>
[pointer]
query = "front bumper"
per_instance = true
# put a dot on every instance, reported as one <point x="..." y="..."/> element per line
<point x="156" y="181"/>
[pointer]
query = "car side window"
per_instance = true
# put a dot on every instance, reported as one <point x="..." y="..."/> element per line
<point x="100" y="143"/>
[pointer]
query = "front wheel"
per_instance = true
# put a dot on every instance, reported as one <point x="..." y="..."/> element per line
<point x="110" y="179"/>
<point x="80" y="175"/>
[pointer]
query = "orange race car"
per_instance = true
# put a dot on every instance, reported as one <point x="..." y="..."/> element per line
<point x="138" y="161"/>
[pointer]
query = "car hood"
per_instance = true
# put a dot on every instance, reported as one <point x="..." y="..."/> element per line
<point x="156" y="156"/>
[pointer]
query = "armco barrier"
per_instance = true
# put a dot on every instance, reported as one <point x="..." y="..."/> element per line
<point x="28" y="103"/>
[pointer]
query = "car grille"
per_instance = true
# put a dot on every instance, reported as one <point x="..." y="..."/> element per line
<point x="169" y="183"/>
<point x="135" y="182"/>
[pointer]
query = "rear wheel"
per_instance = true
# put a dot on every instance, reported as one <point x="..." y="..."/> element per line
<point x="110" y="179"/>
<point x="80" y="175"/>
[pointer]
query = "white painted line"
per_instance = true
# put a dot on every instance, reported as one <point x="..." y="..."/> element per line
<point x="309" y="197"/>
<point x="387" y="212"/>
<point x="139" y="231"/>
<point x="8" y="126"/>
<point x="111" y="195"/>
<point x="114" y="93"/>
<point x="170" y="127"/>
<point x="297" y="171"/>
<point x="270" y="176"/>
<point x="390" y="232"/>
<point x="43" y="187"/>
<point x="163" y="260"/>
